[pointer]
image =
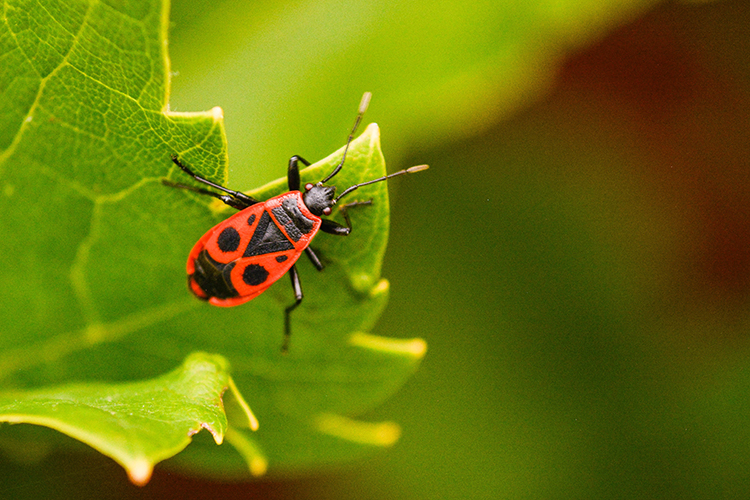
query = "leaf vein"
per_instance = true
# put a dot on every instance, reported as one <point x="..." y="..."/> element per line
<point x="57" y="347"/>
<point x="42" y="85"/>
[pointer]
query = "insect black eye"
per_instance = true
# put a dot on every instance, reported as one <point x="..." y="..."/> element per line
<point x="327" y="211"/>
<point x="308" y="186"/>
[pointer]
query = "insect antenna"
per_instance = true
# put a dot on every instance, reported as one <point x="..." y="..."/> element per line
<point x="410" y="170"/>
<point x="361" y="111"/>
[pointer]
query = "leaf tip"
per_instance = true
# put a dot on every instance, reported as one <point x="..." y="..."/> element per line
<point x="217" y="114"/>
<point x="258" y="466"/>
<point x="415" y="348"/>
<point x="256" y="460"/>
<point x="376" y="434"/>
<point x="217" y="435"/>
<point x="139" y="471"/>
<point x="252" y="420"/>
<point x="373" y="130"/>
<point x="380" y="289"/>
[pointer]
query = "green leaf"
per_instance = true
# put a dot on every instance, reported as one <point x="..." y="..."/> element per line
<point x="95" y="246"/>
<point x="137" y="424"/>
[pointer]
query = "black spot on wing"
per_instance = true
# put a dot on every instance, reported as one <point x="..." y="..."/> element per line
<point x="281" y="258"/>
<point x="228" y="240"/>
<point x="254" y="274"/>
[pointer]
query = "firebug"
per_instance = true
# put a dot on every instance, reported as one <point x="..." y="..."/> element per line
<point x="238" y="259"/>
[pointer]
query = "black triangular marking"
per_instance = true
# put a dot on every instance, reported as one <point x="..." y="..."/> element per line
<point x="267" y="238"/>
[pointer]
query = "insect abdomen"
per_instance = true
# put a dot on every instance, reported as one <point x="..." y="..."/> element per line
<point x="212" y="278"/>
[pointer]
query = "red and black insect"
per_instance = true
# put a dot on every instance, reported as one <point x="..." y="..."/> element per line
<point x="241" y="257"/>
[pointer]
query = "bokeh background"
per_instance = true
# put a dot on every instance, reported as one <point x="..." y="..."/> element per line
<point x="577" y="258"/>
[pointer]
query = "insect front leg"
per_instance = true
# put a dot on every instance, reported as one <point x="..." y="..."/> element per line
<point x="292" y="173"/>
<point x="297" y="286"/>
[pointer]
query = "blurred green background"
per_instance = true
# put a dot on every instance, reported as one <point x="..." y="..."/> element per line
<point x="577" y="258"/>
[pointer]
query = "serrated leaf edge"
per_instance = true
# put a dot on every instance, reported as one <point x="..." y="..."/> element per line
<point x="139" y="468"/>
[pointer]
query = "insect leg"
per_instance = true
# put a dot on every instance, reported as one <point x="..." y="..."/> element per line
<point x="232" y="202"/>
<point x="333" y="227"/>
<point x="242" y="198"/>
<point x="292" y="174"/>
<point x="314" y="258"/>
<point x="288" y="311"/>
